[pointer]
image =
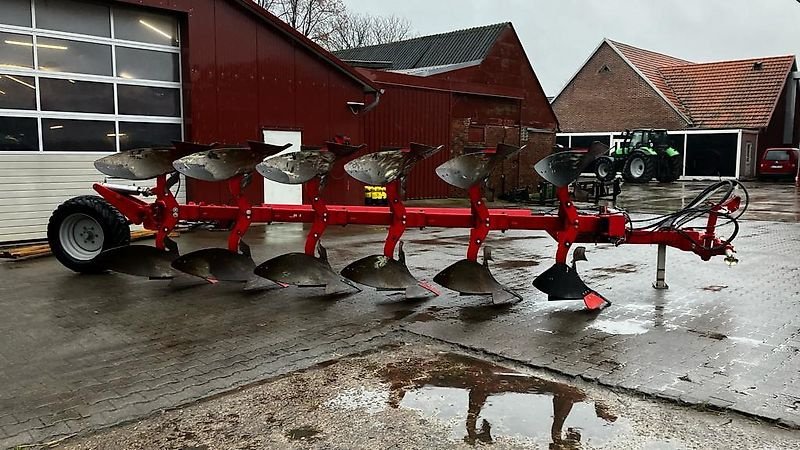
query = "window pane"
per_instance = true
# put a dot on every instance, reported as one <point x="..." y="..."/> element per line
<point x="74" y="16"/>
<point x="76" y="96"/>
<point x="143" y="26"/>
<point x="19" y="134"/>
<point x="147" y="64"/>
<point x="138" y="135"/>
<point x="149" y="101"/>
<point x="16" y="51"/>
<point x="17" y="92"/>
<point x="16" y="12"/>
<point x="58" y="55"/>
<point x="78" y="135"/>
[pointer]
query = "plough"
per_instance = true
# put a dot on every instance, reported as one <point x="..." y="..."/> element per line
<point x="88" y="234"/>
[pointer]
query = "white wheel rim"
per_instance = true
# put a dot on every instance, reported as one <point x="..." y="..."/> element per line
<point x="637" y="167"/>
<point x="602" y="170"/>
<point x="81" y="236"/>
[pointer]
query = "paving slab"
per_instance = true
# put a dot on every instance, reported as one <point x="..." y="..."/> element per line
<point x="81" y="353"/>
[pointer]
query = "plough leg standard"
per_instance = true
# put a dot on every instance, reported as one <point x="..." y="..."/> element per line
<point x="87" y="233"/>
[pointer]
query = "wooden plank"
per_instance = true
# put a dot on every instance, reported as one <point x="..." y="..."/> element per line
<point x="37" y="250"/>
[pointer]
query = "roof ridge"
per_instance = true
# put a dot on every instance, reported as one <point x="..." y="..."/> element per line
<point x="428" y="36"/>
<point x="616" y="43"/>
<point x="728" y="61"/>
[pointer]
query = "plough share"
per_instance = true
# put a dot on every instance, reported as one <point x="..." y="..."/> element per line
<point x="78" y="225"/>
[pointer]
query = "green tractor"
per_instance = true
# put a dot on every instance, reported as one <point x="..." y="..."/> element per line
<point x="642" y="156"/>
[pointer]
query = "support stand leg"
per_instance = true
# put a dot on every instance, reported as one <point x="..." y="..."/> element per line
<point x="661" y="269"/>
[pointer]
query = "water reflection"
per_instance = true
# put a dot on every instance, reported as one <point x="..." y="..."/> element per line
<point x="498" y="402"/>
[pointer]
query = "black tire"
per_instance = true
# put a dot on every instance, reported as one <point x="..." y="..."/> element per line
<point x="604" y="168"/>
<point x="74" y="237"/>
<point x="670" y="169"/>
<point x="638" y="168"/>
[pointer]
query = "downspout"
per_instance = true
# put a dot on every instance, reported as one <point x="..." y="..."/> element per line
<point x="791" y="107"/>
<point x="360" y="108"/>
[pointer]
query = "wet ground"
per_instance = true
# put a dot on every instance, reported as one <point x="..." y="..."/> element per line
<point x="82" y="353"/>
<point x="417" y="395"/>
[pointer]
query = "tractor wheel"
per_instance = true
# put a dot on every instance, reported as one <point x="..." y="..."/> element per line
<point x="638" y="168"/>
<point x="670" y="169"/>
<point x="604" y="169"/>
<point x="81" y="228"/>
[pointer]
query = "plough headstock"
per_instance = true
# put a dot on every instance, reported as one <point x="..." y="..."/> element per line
<point x="385" y="168"/>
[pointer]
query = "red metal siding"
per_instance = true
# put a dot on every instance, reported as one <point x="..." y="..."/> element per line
<point x="409" y="114"/>
<point x="242" y="75"/>
<point x="507" y="65"/>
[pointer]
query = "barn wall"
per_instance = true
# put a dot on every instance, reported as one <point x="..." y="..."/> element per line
<point x="507" y="65"/>
<point x="411" y="114"/>
<point x="243" y="75"/>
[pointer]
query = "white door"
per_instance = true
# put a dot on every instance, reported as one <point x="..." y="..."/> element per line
<point x="283" y="194"/>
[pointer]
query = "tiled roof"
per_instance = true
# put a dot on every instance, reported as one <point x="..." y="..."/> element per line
<point x="649" y="63"/>
<point x="453" y="48"/>
<point x="724" y="94"/>
<point x="730" y="94"/>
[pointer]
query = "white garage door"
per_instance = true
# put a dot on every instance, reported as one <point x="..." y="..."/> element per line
<point x="78" y="80"/>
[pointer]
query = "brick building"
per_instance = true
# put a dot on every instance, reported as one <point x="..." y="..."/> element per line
<point x="462" y="88"/>
<point x="721" y="115"/>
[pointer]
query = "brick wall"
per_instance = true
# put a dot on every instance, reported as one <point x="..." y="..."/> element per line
<point x="515" y="173"/>
<point x="613" y="99"/>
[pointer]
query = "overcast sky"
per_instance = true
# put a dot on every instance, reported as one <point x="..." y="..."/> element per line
<point x="558" y="35"/>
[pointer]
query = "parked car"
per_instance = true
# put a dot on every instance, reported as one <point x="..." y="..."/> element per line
<point x="779" y="163"/>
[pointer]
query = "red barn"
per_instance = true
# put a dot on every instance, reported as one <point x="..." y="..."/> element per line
<point x="82" y="79"/>
<point x="465" y="87"/>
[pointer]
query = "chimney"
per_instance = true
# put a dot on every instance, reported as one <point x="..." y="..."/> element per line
<point x="758" y="65"/>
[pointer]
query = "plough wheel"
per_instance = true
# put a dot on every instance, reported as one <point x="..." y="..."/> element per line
<point x="81" y="228"/>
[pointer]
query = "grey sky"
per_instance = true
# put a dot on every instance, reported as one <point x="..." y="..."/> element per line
<point x="559" y="35"/>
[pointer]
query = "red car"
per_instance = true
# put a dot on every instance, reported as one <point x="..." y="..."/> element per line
<point x="779" y="162"/>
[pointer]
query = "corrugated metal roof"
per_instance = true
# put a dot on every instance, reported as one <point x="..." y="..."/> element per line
<point x="453" y="48"/>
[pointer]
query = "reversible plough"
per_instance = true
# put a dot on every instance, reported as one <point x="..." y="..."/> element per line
<point x="82" y="230"/>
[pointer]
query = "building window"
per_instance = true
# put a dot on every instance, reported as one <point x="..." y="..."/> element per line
<point x="87" y="76"/>
<point x="19" y="134"/>
<point x="711" y="154"/>
<point x="15" y="12"/>
<point x="584" y="142"/>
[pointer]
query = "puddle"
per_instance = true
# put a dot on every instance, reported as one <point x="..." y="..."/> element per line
<point x="714" y="288"/>
<point x="709" y="334"/>
<point x="484" y="313"/>
<point x="625" y="268"/>
<point x="481" y="402"/>
<point x="303" y="433"/>
<point x="620" y="327"/>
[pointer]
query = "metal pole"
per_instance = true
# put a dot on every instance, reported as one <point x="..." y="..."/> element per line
<point x="661" y="269"/>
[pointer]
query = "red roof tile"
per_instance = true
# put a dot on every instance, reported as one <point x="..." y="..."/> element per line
<point x="730" y="94"/>
<point x="724" y="94"/>
<point x="649" y="63"/>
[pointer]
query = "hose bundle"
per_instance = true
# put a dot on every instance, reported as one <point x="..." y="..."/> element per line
<point x="699" y="207"/>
